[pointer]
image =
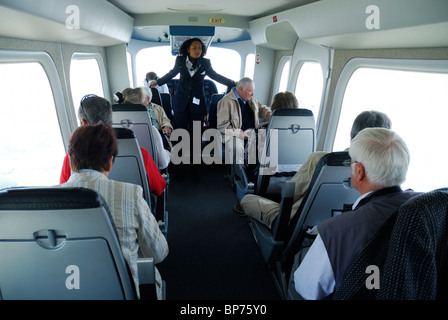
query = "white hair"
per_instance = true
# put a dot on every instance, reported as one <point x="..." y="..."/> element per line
<point x="384" y="155"/>
<point x="244" y="82"/>
<point x="146" y="93"/>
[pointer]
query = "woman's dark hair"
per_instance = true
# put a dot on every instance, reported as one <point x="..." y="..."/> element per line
<point x="151" y="76"/>
<point x="91" y="146"/>
<point x="183" y="50"/>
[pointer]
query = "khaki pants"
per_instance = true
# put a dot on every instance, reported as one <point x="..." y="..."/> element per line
<point x="262" y="209"/>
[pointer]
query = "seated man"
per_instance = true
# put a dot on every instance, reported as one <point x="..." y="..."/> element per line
<point x="238" y="113"/>
<point x="379" y="163"/>
<point x="266" y="210"/>
<point x="93" y="110"/>
<point x="92" y="150"/>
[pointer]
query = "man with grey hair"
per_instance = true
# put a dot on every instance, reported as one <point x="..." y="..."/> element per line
<point x="379" y="163"/>
<point x="93" y="110"/>
<point x="238" y="113"/>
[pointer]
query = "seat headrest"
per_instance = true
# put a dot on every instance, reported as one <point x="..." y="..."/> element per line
<point x="124" y="133"/>
<point x="49" y="199"/>
<point x="292" y="112"/>
<point x="128" y="107"/>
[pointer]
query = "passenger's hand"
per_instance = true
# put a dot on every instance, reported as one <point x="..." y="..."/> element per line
<point x="166" y="130"/>
<point x="153" y="83"/>
<point x="244" y="135"/>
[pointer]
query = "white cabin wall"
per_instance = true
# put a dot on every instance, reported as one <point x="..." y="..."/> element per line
<point x="263" y="74"/>
<point x="117" y="69"/>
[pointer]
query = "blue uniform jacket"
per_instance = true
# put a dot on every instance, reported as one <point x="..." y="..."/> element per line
<point x="192" y="87"/>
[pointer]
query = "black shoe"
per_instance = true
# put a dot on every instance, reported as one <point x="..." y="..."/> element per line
<point x="238" y="209"/>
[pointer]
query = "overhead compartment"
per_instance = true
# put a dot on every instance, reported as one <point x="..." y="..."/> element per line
<point x="357" y="24"/>
<point x="179" y="34"/>
<point x="82" y="22"/>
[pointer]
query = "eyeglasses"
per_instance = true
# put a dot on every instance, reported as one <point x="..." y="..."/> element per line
<point x="348" y="162"/>
<point x="85" y="98"/>
<point x="81" y="104"/>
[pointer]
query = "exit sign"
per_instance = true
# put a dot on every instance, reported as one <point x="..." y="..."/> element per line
<point x="217" y="20"/>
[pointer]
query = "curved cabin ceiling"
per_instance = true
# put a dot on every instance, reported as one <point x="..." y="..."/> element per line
<point x="229" y="17"/>
<point x="275" y="24"/>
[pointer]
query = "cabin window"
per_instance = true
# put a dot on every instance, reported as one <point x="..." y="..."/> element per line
<point x="416" y="103"/>
<point x="309" y="87"/>
<point x="157" y="59"/>
<point x="226" y="62"/>
<point x="284" y="77"/>
<point x="31" y="146"/>
<point x="250" y="66"/>
<point x="85" y="78"/>
<point x="130" y="71"/>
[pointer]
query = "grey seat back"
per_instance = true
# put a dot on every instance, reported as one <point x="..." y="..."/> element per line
<point x="213" y="109"/>
<point x="136" y="117"/>
<point x="128" y="164"/>
<point x="410" y="250"/>
<point x="156" y="96"/>
<point x="167" y="105"/>
<point x="330" y="192"/>
<point x="290" y="139"/>
<point x="60" y="243"/>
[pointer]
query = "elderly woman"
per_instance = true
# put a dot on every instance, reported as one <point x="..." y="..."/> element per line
<point x="92" y="150"/>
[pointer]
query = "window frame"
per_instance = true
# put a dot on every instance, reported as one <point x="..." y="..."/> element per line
<point x="279" y="71"/>
<point x="43" y="58"/>
<point x="246" y="70"/>
<point x="50" y="70"/>
<point x="103" y="75"/>
<point x="415" y="65"/>
<point x="296" y="80"/>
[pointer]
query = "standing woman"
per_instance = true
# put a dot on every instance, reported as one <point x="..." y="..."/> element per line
<point x="189" y="99"/>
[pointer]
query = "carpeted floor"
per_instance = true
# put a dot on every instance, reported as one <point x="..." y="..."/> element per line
<point x="213" y="254"/>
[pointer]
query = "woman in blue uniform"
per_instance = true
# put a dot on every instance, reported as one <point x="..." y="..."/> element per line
<point x="189" y="99"/>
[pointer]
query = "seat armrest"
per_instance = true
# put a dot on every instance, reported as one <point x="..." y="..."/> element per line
<point x="281" y="223"/>
<point x="147" y="279"/>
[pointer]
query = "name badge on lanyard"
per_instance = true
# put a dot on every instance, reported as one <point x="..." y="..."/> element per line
<point x="196" y="100"/>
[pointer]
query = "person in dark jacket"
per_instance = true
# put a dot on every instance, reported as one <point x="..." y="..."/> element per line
<point x="379" y="163"/>
<point x="189" y="99"/>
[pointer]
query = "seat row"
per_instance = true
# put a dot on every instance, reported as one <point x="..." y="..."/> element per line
<point x="50" y="237"/>
<point x="61" y="243"/>
<point x="330" y="193"/>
